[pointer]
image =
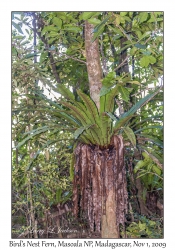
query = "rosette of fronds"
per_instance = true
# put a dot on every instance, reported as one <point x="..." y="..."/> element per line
<point x="96" y="127"/>
<point x="92" y="126"/>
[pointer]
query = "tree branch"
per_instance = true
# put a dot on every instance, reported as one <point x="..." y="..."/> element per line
<point x="40" y="26"/>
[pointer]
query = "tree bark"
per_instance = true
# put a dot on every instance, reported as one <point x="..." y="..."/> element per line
<point x="93" y="64"/>
<point x="100" y="186"/>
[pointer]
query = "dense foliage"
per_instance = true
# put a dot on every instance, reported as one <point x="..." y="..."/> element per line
<point x="52" y="110"/>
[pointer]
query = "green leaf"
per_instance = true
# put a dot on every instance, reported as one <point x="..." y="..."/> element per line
<point x="106" y="128"/>
<point x="140" y="103"/>
<point x="118" y="19"/>
<point x="133" y="82"/>
<point x="91" y="108"/>
<point x="52" y="34"/>
<point x="104" y="91"/>
<point x="50" y="41"/>
<point x="127" y="116"/>
<point x="44" y="30"/>
<point x="25" y="42"/>
<point x="146" y="34"/>
<point x="153" y="139"/>
<point x="142" y="226"/>
<point x="27" y="31"/>
<point x="109" y="79"/>
<point x="30" y="55"/>
<point x="62" y="15"/>
<point x="148" y="127"/>
<point x="111" y="116"/>
<point x="143" y="16"/>
<point x="17" y="27"/>
<point x="110" y="99"/>
<point x="128" y="19"/>
<point x="14" y="51"/>
<point x="140" y="46"/>
<point x="38" y="152"/>
<point x="153" y="153"/>
<point x="57" y="21"/>
<point x="130" y="134"/>
<point x="94" y="21"/>
<point x="19" y="37"/>
<point x="124" y="93"/>
<point x="99" y="28"/>
<point x="58" y="195"/>
<point x="156" y="170"/>
<point x="146" y="53"/>
<point x="102" y="103"/>
<point x="144" y="62"/>
<point x="139" y="165"/>
<point x="78" y="113"/>
<point x="96" y="34"/>
<point x="50" y="28"/>
<point x="80" y="130"/>
<point x="86" y="15"/>
<point x="60" y="110"/>
<point x="66" y="92"/>
<point x="43" y="56"/>
<point x="152" y="59"/>
<point x="39" y="131"/>
<point x="72" y="28"/>
<point x="133" y="51"/>
<point x="139" y="34"/>
<point x="123" y="13"/>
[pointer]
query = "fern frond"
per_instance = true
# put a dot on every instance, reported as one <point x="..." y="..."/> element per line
<point x="81" y="106"/>
<point x="106" y="128"/>
<point x="119" y="123"/>
<point x="102" y="103"/>
<point x="66" y="92"/>
<point x="130" y="134"/>
<point x="84" y="138"/>
<point x="80" y="130"/>
<point x="77" y="113"/>
<point x="110" y="97"/>
<point x="140" y="103"/>
<point x="87" y="137"/>
<point x="95" y="132"/>
<point x="31" y="135"/>
<point x="90" y="107"/>
<point x="68" y="117"/>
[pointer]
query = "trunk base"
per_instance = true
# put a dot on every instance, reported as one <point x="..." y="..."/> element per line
<point x="100" y="186"/>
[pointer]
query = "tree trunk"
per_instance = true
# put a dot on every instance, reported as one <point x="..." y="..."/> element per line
<point x="100" y="178"/>
<point x="100" y="186"/>
<point x="100" y="173"/>
<point x="93" y="64"/>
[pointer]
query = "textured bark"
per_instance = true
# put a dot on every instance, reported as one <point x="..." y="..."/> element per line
<point x="109" y="227"/>
<point x="100" y="185"/>
<point x="93" y="64"/>
<point x="123" y="62"/>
